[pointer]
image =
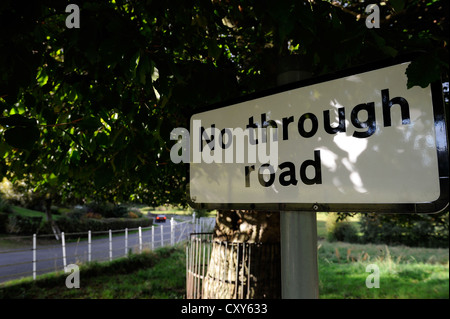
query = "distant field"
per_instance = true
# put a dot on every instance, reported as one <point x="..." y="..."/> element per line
<point x="405" y="272"/>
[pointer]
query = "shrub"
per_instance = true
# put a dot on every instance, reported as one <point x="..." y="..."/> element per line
<point x="340" y="230"/>
<point x="132" y="215"/>
<point x="70" y="225"/>
<point x="134" y="212"/>
<point x="107" y="210"/>
<point x="5" y="207"/>
<point x="3" y="222"/>
<point x="416" y="230"/>
<point x="93" y="215"/>
<point x="23" y="225"/>
<point x="5" y="210"/>
<point x="77" y="212"/>
<point x="345" y="231"/>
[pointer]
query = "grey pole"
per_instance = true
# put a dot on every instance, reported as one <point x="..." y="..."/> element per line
<point x="299" y="268"/>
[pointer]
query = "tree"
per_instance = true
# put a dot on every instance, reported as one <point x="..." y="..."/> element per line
<point x="417" y="230"/>
<point x="90" y="109"/>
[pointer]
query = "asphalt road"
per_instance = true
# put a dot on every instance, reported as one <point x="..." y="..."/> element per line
<point x="18" y="262"/>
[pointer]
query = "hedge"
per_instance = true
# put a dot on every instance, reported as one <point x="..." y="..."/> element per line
<point x="415" y="230"/>
<point x="22" y="225"/>
<point x="16" y="224"/>
<point x="69" y="225"/>
<point x="3" y="222"/>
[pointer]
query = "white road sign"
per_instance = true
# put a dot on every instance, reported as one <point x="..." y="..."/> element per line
<point x="359" y="142"/>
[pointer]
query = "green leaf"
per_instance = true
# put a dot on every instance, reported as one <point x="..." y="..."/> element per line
<point x="390" y="51"/>
<point x="423" y="71"/>
<point x="42" y="77"/>
<point x="381" y="43"/>
<point x="22" y="137"/>
<point x="75" y="157"/>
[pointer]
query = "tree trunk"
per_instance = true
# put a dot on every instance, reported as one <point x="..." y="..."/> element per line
<point x="48" y="215"/>
<point x="245" y="257"/>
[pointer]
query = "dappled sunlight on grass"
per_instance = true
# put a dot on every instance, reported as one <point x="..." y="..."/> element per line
<point x="404" y="272"/>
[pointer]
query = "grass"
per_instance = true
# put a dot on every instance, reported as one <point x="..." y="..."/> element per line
<point x="321" y="225"/>
<point x="405" y="273"/>
<point x="27" y="212"/>
<point x="150" y="275"/>
<point x="418" y="281"/>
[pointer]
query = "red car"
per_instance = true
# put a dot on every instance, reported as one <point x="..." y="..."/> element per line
<point x="160" y="218"/>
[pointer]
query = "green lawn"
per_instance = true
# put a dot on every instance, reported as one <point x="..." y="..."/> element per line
<point x="34" y="213"/>
<point x="27" y="212"/>
<point x="405" y="281"/>
<point x="405" y="272"/>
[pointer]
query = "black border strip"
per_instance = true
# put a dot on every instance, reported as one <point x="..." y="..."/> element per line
<point x="441" y="141"/>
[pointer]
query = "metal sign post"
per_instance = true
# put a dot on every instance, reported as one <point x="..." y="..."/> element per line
<point x="298" y="231"/>
<point x="299" y="268"/>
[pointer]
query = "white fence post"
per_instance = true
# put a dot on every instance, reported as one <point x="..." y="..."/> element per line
<point x="34" y="256"/>
<point x="126" y="241"/>
<point x="153" y="237"/>
<point x="89" y="246"/>
<point x="63" y="241"/>
<point x="110" y="245"/>
<point x="162" y="236"/>
<point x="172" y="232"/>
<point x="140" y="239"/>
